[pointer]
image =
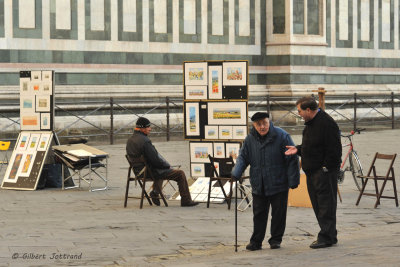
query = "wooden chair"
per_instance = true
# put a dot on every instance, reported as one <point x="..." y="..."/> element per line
<point x="141" y="178"/>
<point x="372" y="174"/>
<point x="222" y="176"/>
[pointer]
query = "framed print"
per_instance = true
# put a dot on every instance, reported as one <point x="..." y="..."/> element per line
<point x="24" y="86"/>
<point x="36" y="76"/>
<point x="43" y="103"/>
<point x="45" y="121"/>
<point x="47" y="87"/>
<point x="26" y="164"/>
<point x="199" y="151"/>
<point x="27" y="103"/>
<point x="196" y="92"/>
<point x="239" y="132"/>
<point x="215" y="82"/>
<point x="196" y="73"/>
<point x="197" y="169"/>
<point x="192" y="119"/>
<point x="227" y="113"/>
<point x="232" y="149"/>
<point x="33" y="142"/>
<point x="30" y="121"/>
<point x="234" y="73"/>
<point x="23" y="141"/>
<point x="47" y="75"/>
<point x="36" y="87"/>
<point x="11" y="175"/>
<point x="219" y="150"/>
<point x="44" y="141"/>
<point x="211" y="132"/>
<point x="225" y="132"/>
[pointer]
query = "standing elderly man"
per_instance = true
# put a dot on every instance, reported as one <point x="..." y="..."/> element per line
<point x="321" y="153"/>
<point x="140" y="145"/>
<point x="271" y="175"/>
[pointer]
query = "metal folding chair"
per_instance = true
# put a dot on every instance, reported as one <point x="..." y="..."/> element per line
<point x="4" y="146"/>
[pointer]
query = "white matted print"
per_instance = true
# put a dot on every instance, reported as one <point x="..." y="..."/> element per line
<point x="44" y="141"/>
<point x="234" y="73"/>
<point x="215" y="82"/>
<point x="27" y="103"/>
<point x="36" y="75"/>
<point x="33" y="142"/>
<point x="45" y="121"/>
<point x="24" y="86"/>
<point x="36" y="87"/>
<point x="197" y="169"/>
<point x="196" y="92"/>
<point x="196" y="73"/>
<point x="11" y="175"/>
<point x="219" y="150"/>
<point x="232" y="149"/>
<point x="47" y="75"/>
<point x="225" y="132"/>
<point x="211" y="132"/>
<point x="26" y="164"/>
<point x="239" y="132"/>
<point x="23" y="141"/>
<point x="47" y="88"/>
<point x="30" y="121"/>
<point x="192" y="119"/>
<point x="43" y="103"/>
<point x="199" y="151"/>
<point x="227" y="113"/>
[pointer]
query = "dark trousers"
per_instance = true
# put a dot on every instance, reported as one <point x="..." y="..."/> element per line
<point x="322" y="189"/>
<point x="180" y="178"/>
<point x="261" y="204"/>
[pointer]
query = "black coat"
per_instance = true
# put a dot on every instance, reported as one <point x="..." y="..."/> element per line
<point x="321" y="146"/>
<point x="139" y="144"/>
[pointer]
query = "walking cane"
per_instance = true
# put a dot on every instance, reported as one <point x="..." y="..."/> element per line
<point x="236" y="245"/>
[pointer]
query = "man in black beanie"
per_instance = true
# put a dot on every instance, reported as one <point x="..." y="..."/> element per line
<point x="140" y="145"/>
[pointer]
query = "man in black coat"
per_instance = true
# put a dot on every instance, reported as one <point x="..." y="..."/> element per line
<point x="140" y="145"/>
<point x="321" y="153"/>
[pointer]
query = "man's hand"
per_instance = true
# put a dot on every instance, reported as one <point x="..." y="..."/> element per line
<point x="291" y="150"/>
<point x="293" y="187"/>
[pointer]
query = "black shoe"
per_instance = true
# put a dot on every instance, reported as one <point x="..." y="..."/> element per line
<point x="253" y="246"/>
<point x="155" y="197"/>
<point x="320" y="244"/>
<point x="275" y="245"/>
<point x="189" y="204"/>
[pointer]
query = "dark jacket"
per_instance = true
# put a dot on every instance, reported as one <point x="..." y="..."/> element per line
<point x="271" y="172"/>
<point x="321" y="146"/>
<point x="139" y="144"/>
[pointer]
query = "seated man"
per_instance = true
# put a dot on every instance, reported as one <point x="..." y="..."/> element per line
<point x="139" y="144"/>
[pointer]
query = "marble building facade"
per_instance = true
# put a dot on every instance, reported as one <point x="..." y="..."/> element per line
<point x="102" y="48"/>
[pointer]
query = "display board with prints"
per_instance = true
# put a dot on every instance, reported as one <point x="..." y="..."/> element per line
<point x="34" y="140"/>
<point x="215" y="111"/>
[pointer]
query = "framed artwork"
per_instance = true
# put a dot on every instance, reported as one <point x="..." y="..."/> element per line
<point x="43" y="103"/>
<point x="196" y="92"/>
<point x="219" y="150"/>
<point x="227" y="113"/>
<point x="211" y="132"/>
<point x="196" y="73"/>
<point x="45" y="121"/>
<point x="36" y="76"/>
<point x="11" y="175"/>
<point x="47" y="75"/>
<point x="36" y="87"/>
<point x="26" y="164"/>
<point x="24" y="86"/>
<point x="232" y="149"/>
<point x="30" y="121"/>
<point x="33" y="142"/>
<point x="192" y="119"/>
<point x="27" y="103"/>
<point x="225" y="132"/>
<point x="234" y="73"/>
<point x="197" y="169"/>
<point x="215" y="82"/>
<point x="239" y="132"/>
<point x="199" y="151"/>
<point x="44" y="141"/>
<point x="47" y="87"/>
<point x="23" y="140"/>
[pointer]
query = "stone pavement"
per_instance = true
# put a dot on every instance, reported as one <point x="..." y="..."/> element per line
<point x="79" y="228"/>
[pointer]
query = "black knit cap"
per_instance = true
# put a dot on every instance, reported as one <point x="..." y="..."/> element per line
<point x="142" y="122"/>
<point x="259" y="116"/>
